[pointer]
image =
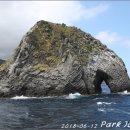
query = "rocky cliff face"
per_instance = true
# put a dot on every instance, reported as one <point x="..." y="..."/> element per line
<point x="53" y="59"/>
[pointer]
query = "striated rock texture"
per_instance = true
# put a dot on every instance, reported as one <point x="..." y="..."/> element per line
<point x="53" y="59"/>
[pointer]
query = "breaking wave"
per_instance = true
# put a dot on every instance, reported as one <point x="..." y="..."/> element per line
<point x="22" y="97"/>
<point x="105" y="103"/>
<point x="70" y="96"/>
<point x="124" y="93"/>
<point x="73" y="96"/>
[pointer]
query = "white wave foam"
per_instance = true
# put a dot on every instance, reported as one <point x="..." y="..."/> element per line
<point x="22" y="97"/>
<point x="105" y="110"/>
<point x="121" y="111"/>
<point x="124" y="92"/>
<point x="73" y="96"/>
<point x="98" y="98"/>
<point x="101" y="109"/>
<point x="70" y="96"/>
<point x="105" y="103"/>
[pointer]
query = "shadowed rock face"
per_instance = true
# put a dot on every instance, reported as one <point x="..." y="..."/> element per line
<point x="53" y="59"/>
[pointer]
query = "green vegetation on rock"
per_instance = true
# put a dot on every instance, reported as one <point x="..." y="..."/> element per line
<point x="6" y="64"/>
<point x="51" y="41"/>
<point x="41" y="67"/>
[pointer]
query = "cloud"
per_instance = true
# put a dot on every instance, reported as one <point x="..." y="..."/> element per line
<point x="108" y="37"/>
<point x="93" y="12"/>
<point x="127" y="42"/>
<point x="16" y="18"/>
<point x="112" y="38"/>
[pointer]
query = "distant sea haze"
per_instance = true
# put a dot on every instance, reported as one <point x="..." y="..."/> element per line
<point x="1" y="61"/>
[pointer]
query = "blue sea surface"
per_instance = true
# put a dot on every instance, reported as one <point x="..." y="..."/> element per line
<point x="105" y="111"/>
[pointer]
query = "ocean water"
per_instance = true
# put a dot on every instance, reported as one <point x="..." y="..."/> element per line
<point x="105" y="111"/>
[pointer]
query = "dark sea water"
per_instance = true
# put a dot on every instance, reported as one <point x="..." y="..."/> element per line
<point x="106" y="111"/>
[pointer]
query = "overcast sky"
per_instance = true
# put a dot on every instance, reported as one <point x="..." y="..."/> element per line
<point x="107" y="21"/>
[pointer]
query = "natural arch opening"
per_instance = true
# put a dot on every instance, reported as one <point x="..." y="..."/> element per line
<point x="105" y="88"/>
<point x="101" y="82"/>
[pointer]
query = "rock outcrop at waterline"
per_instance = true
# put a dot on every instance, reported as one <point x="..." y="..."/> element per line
<point x="54" y="59"/>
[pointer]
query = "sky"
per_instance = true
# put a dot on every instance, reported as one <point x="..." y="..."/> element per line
<point x="108" y="21"/>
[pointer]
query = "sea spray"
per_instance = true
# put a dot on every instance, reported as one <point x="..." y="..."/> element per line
<point x="73" y="96"/>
